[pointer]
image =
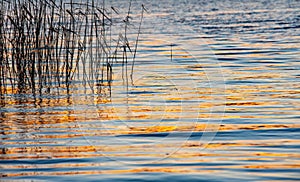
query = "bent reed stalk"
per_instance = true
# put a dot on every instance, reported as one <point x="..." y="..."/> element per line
<point x="46" y="44"/>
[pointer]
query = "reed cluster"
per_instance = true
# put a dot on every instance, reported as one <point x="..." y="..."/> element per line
<point x="47" y="44"/>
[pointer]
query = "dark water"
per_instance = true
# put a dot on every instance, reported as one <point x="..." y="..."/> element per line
<point x="215" y="97"/>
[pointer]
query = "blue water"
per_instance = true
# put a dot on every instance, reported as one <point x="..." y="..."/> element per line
<point x="215" y="96"/>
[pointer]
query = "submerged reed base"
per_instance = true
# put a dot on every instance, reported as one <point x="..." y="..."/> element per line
<point x="47" y="44"/>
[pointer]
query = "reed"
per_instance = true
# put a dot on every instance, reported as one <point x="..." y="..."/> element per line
<point x="47" y="44"/>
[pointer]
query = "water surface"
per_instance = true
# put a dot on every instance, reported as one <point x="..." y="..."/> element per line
<point x="215" y="96"/>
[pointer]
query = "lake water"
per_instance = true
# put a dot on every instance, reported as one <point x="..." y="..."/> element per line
<point x="215" y="96"/>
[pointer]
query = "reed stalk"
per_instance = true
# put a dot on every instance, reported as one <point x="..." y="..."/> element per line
<point x="47" y="44"/>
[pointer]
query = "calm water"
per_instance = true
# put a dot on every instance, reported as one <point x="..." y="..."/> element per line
<point x="215" y="96"/>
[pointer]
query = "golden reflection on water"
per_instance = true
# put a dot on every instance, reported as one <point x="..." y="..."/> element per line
<point x="33" y="132"/>
<point x="237" y="102"/>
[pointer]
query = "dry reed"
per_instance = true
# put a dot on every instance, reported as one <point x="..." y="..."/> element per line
<point x="47" y="44"/>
